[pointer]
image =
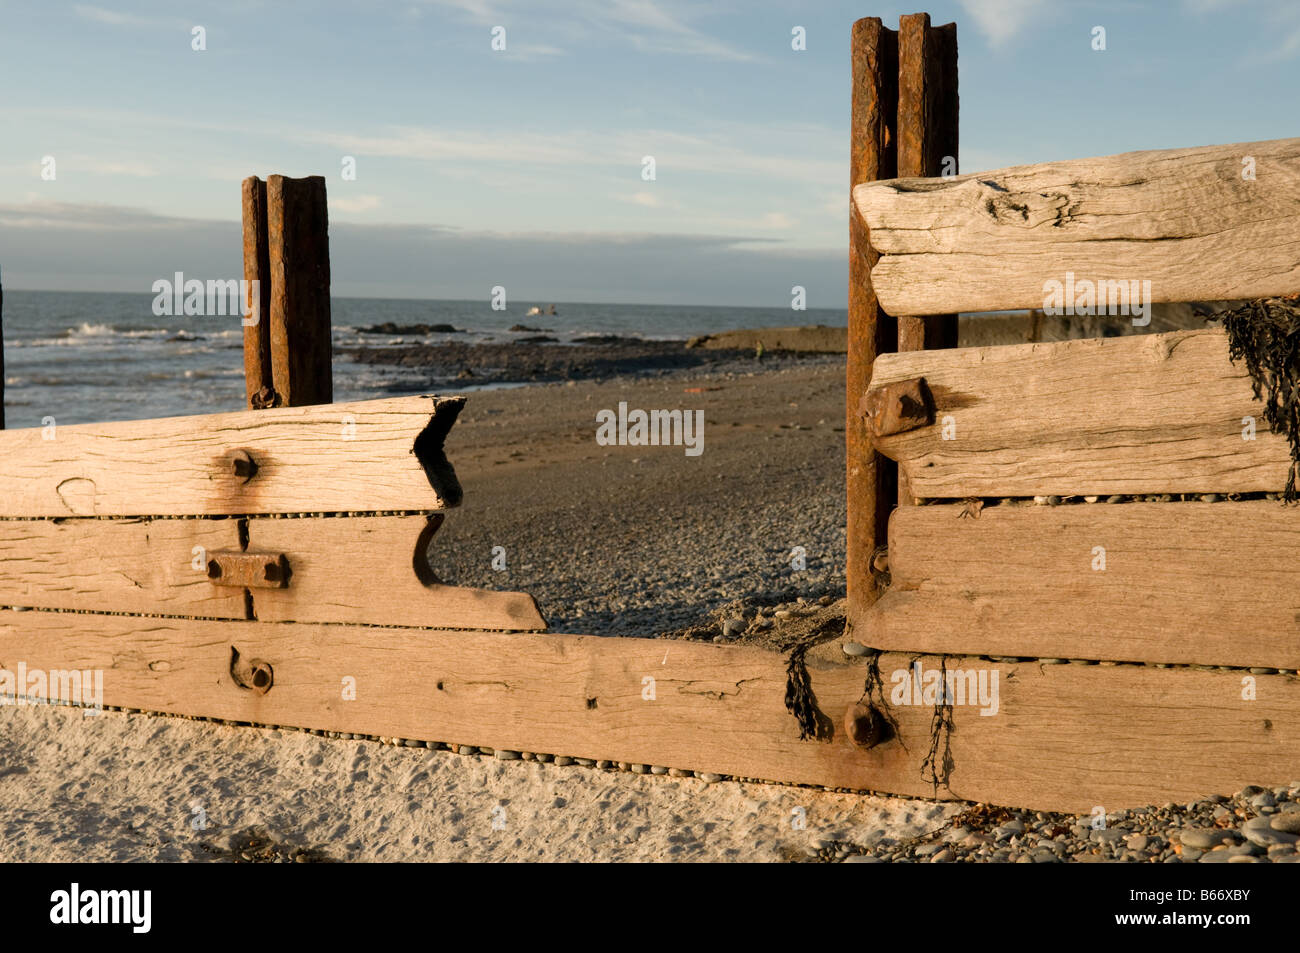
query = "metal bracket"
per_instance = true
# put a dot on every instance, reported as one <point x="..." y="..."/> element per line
<point x="249" y="570"/>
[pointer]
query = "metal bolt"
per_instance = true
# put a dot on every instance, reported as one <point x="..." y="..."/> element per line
<point x="242" y="465"/>
<point x="862" y="724"/>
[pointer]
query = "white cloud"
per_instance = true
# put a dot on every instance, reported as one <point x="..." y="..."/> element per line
<point x="656" y="26"/>
<point x="1000" y="20"/>
<point x="115" y="17"/>
<point x="362" y="203"/>
<point x="648" y="199"/>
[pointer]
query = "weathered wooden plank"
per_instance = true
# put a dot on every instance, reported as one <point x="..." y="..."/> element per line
<point x="1062" y="737"/>
<point x="1160" y="413"/>
<point x="364" y="570"/>
<point x="299" y="257"/>
<point x="1190" y="583"/>
<point x="369" y="455"/>
<point x="375" y="570"/>
<point x="145" y="566"/>
<point x="872" y="479"/>
<point x="259" y="386"/>
<point x="1186" y="220"/>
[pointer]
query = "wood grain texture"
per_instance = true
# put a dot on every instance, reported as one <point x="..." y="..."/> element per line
<point x="370" y="455"/>
<point x="871" y="479"/>
<point x="259" y="386"/>
<point x="299" y="260"/>
<point x="141" y="566"/>
<point x="363" y="570"/>
<point x="1159" y="413"/>
<point x="1189" y="583"/>
<point x="1063" y="738"/>
<point x="375" y="570"/>
<point x="1184" y="219"/>
<point x="927" y="139"/>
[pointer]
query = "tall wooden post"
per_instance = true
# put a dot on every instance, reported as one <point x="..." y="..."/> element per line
<point x="288" y="354"/>
<point x="904" y="123"/>
<point x="871" y="478"/>
<point x="257" y="268"/>
<point x="927" y="147"/>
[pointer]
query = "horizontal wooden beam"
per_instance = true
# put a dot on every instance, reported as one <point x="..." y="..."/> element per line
<point x="1057" y="738"/>
<point x="370" y="455"/>
<point x="136" y="565"/>
<point x="375" y="570"/>
<point x="364" y="570"/>
<point x="1159" y="413"/>
<point x="1190" y="583"/>
<point x="1198" y="224"/>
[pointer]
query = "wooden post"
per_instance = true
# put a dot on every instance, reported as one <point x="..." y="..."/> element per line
<point x="927" y="147"/>
<point x="288" y="353"/>
<point x="871" y="478"/>
<point x="257" y="268"/>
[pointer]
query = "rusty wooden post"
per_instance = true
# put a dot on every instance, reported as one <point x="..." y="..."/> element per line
<point x="257" y="268"/>
<point x="871" y="478"/>
<point x="288" y="353"/>
<point x="927" y="147"/>
<point x="297" y="227"/>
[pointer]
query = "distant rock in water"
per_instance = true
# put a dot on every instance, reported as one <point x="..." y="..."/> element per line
<point x="607" y="339"/>
<point x="813" y="339"/>
<point x="524" y="327"/>
<point x="536" y="339"/>
<point x="388" y="327"/>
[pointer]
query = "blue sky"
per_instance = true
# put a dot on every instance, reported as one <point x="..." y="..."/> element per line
<point x="477" y="167"/>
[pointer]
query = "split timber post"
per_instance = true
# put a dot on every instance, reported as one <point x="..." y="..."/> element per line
<point x="287" y="351"/>
<point x="903" y="122"/>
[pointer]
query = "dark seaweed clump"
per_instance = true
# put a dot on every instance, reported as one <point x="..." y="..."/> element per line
<point x="1266" y="335"/>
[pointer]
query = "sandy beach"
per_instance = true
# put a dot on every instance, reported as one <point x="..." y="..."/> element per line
<point x="612" y="540"/>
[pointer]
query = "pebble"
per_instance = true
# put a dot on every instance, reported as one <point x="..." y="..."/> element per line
<point x="1288" y="822"/>
<point x="585" y="762"/>
<point x="1110" y="835"/>
<point x="1203" y="838"/>
<point x="733" y="627"/>
<point x="708" y="777"/>
<point x="1266" y="836"/>
<point x="862" y="859"/>
<point x="680" y="773"/>
<point x="1137" y="841"/>
<point x="945" y="856"/>
<point x="1266" y="799"/>
<point x="503" y="755"/>
<point x="658" y="769"/>
<point x="855" y="649"/>
<point x="563" y="760"/>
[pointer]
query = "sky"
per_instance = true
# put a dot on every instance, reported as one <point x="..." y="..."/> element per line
<point x="525" y="167"/>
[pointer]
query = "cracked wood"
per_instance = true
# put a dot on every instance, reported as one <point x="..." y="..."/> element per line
<point x="1159" y="413"/>
<point x="1184" y="219"/>
<point x="364" y="570"/>
<point x="369" y="455"/>
<point x="1150" y="735"/>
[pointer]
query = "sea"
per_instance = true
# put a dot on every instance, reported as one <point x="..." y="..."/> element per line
<point x="83" y="357"/>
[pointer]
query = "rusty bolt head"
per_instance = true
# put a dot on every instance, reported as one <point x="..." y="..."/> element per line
<point x="242" y="465"/>
<point x="263" y="676"/>
<point x="862" y="724"/>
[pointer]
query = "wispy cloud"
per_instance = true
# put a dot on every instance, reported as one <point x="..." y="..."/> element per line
<point x="361" y="203"/>
<point x="117" y="18"/>
<point x="1000" y="20"/>
<point x="654" y="26"/>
